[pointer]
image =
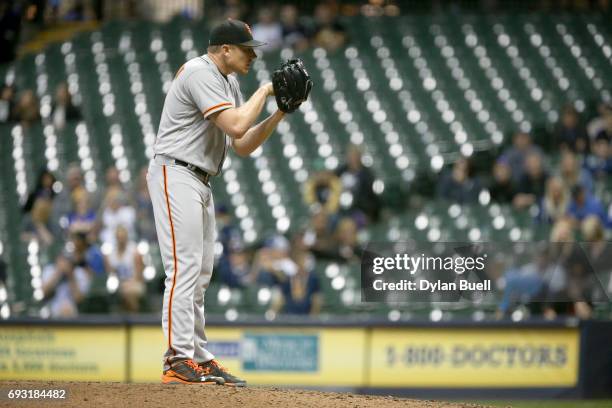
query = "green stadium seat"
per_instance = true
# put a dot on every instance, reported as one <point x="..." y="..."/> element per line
<point x="492" y="75"/>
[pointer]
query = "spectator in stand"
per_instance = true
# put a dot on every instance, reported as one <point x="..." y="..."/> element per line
<point x="576" y="296"/>
<point x="83" y="217"/>
<point x="572" y="174"/>
<point x="234" y="268"/>
<point x="66" y="284"/>
<point x="268" y="29"/>
<point x="113" y="187"/>
<point x="272" y="264"/>
<point x="232" y="9"/>
<point x="10" y="29"/>
<point x="7" y="104"/>
<point x="584" y="204"/>
<point x="555" y="202"/>
<point x="43" y="189"/>
<point x="64" y="110"/>
<point x="116" y="212"/>
<point x="532" y="184"/>
<point x="570" y="133"/>
<point x="301" y="292"/>
<point x="599" y="162"/>
<point x="348" y="249"/>
<point x="229" y="233"/>
<point x="601" y="123"/>
<point x="78" y="10"/>
<point x="295" y="34"/>
<point x="525" y="284"/>
<point x="340" y="245"/>
<point x="329" y="32"/>
<point x="502" y="188"/>
<point x="515" y="155"/>
<point x="86" y="252"/>
<point x="599" y="252"/>
<point x="458" y="185"/>
<point x="145" y="223"/>
<point x="125" y="262"/>
<point x="567" y="290"/>
<point x="38" y="224"/>
<point x="358" y="180"/>
<point x="113" y="181"/>
<point x="27" y="111"/>
<point x="323" y="189"/>
<point x="319" y="237"/>
<point x="63" y="204"/>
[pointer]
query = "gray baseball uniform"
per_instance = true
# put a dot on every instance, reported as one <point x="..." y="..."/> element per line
<point x="183" y="204"/>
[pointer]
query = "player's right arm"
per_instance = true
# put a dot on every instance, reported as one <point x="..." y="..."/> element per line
<point x="235" y="122"/>
<point x="209" y="94"/>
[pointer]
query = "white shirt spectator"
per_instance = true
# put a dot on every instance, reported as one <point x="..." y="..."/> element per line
<point x="271" y="34"/>
<point x="268" y="29"/>
<point x="62" y="304"/>
<point x="111" y="218"/>
<point x="123" y="264"/>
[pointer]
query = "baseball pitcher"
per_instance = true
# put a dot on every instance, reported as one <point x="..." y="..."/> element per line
<point x="204" y="115"/>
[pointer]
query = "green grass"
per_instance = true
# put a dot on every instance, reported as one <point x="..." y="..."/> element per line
<point x="546" y="403"/>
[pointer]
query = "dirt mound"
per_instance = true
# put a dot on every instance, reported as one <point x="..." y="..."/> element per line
<point x="99" y="395"/>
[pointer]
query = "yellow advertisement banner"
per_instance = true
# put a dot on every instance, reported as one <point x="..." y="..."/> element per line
<point x="432" y="357"/>
<point x="62" y="353"/>
<point x="310" y="356"/>
<point x="267" y="356"/>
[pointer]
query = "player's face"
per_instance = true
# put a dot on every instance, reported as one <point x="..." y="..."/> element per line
<point x="240" y="58"/>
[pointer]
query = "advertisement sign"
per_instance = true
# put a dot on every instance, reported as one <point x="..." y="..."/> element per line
<point x="267" y="356"/>
<point x="474" y="357"/>
<point x="307" y="356"/>
<point x="273" y="352"/>
<point x="62" y="353"/>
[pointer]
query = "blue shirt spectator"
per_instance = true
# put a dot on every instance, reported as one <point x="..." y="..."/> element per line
<point x="584" y="204"/>
<point x="599" y="163"/>
<point x="457" y="185"/>
<point x="234" y="268"/>
<point x="573" y="174"/>
<point x="299" y="291"/>
<point x="515" y="155"/>
<point x="522" y="285"/>
<point x="570" y="134"/>
<point x="229" y="234"/>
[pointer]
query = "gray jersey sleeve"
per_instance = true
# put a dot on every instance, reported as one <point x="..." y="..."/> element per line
<point x="209" y="94"/>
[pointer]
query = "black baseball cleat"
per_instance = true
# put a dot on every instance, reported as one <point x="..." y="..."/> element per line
<point x="188" y="372"/>
<point x="215" y="369"/>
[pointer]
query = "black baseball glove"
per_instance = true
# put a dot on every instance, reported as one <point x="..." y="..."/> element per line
<point x="292" y="84"/>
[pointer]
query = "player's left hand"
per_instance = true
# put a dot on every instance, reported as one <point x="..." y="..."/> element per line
<point x="292" y="85"/>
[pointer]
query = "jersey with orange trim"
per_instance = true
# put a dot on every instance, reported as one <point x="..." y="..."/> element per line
<point x="185" y="133"/>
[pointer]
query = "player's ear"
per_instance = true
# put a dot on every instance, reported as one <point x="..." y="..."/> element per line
<point x="225" y="48"/>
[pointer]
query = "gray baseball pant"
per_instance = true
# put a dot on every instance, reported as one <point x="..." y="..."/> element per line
<point x="185" y="222"/>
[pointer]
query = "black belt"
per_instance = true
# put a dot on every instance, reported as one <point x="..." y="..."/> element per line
<point x="202" y="175"/>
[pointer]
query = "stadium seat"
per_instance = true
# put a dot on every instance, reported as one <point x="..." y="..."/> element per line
<point x="415" y="92"/>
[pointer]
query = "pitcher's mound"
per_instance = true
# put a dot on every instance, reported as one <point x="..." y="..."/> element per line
<point x="99" y="395"/>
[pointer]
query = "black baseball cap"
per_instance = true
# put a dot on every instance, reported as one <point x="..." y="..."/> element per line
<point x="233" y="32"/>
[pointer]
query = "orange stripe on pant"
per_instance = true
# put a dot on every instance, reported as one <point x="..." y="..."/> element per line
<point x="175" y="262"/>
